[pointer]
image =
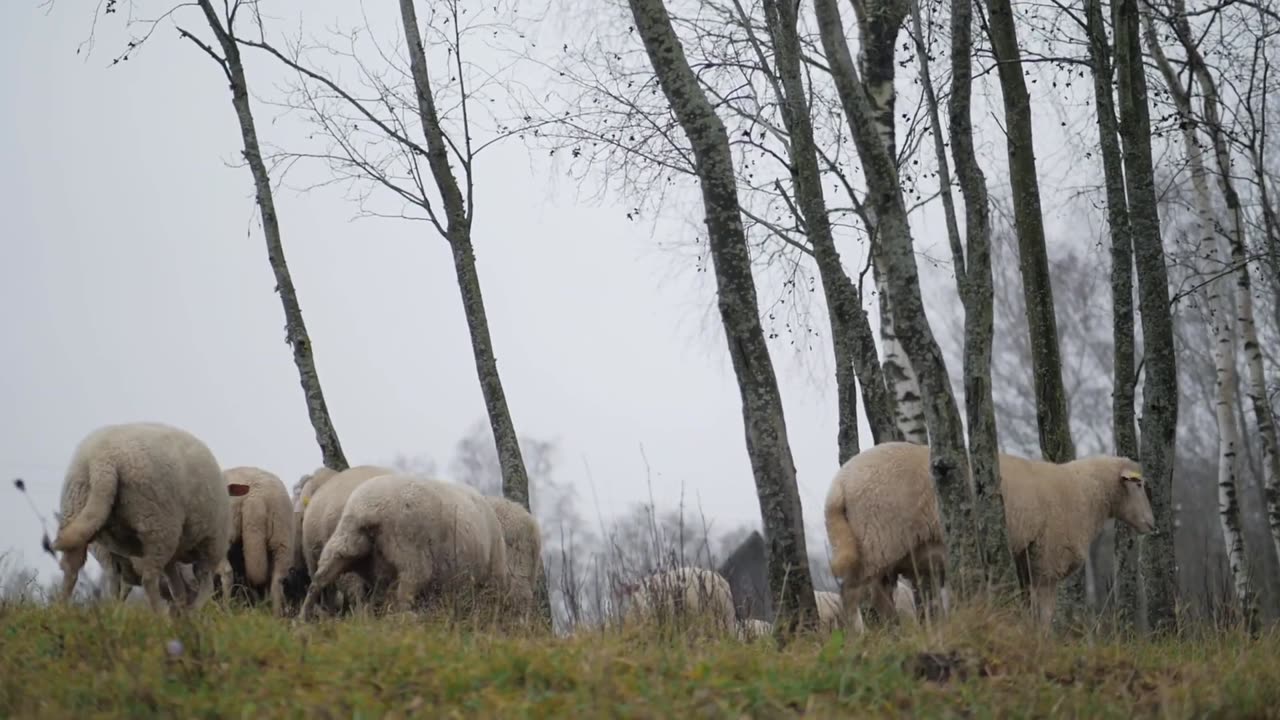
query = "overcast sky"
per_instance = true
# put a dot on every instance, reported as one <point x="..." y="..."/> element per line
<point x="134" y="286"/>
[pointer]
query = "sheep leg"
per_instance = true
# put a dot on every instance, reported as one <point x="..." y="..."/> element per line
<point x="1046" y="597"/>
<point x="178" y="590"/>
<point x="408" y="586"/>
<point x="343" y="549"/>
<point x="278" y="571"/>
<point x="71" y="561"/>
<point x="224" y="578"/>
<point x="203" y="569"/>
<point x="882" y="598"/>
<point x="151" y="575"/>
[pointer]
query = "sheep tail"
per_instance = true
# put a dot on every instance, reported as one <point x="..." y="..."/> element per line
<point x="844" y="545"/>
<point x="103" y="482"/>
<point x="253" y="540"/>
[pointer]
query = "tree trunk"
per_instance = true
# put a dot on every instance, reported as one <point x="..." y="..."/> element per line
<point x="973" y="277"/>
<point x="849" y="335"/>
<point x="515" y="479"/>
<point x="765" y="426"/>
<point x="1124" y="434"/>
<point x="295" y="329"/>
<point x="878" y="24"/>
<point x="1052" y="415"/>
<point x="1160" y="386"/>
<point x="948" y="458"/>
<point x="1248" y="329"/>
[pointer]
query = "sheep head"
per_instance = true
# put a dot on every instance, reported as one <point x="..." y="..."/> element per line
<point x="1134" y="507"/>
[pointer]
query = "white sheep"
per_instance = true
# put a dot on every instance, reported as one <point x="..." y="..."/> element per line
<point x="150" y="492"/>
<point x="262" y="531"/>
<point x="882" y="519"/>
<point x="523" y="539"/>
<point x="685" y="590"/>
<point x="751" y="629"/>
<point x="425" y="534"/>
<point x="830" y="615"/>
<point x="324" y="495"/>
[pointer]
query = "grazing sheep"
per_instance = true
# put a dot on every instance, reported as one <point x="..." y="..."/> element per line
<point x="685" y="590"/>
<point x="882" y="519"/>
<point x="262" y="532"/>
<point x="149" y="492"/>
<point x="122" y="576"/>
<point x="753" y="629"/>
<point x="830" y="614"/>
<point x="323" y="497"/>
<point x="523" y="539"/>
<point x="426" y="534"/>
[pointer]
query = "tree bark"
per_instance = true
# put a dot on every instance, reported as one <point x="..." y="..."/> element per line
<point x="878" y="24"/>
<point x="1124" y="433"/>
<point x="295" y="328"/>
<point x="850" y="329"/>
<point x="764" y="424"/>
<point x="515" y="479"/>
<point x="1160" y="385"/>
<point x="974" y="279"/>
<point x="946" y="436"/>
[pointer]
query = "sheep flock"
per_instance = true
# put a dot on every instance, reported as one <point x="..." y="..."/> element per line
<point x="153" y="506"/>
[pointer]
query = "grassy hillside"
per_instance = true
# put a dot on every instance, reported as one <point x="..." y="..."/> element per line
<point x="122" y="661"/>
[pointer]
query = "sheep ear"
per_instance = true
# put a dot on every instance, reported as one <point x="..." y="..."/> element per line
<point x="1133" y="476"/>
<point x="237" y="489"/>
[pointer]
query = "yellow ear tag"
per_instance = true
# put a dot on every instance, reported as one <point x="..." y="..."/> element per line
<point x="306" y="500"/>
<point x="1131" y="475"/>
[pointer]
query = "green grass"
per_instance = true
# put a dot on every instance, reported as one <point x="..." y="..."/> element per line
<point x="112" y="661"/>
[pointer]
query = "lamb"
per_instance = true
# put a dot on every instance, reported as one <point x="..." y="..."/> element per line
<point x="149" y="492"/>
<point x="692" y="590"/>
<point x="324" y="495"/>
<point x="882" y="520"/>
<point x="523" y="540"/>
<point x="262" y="531"/>
<point x="426" y="534"/>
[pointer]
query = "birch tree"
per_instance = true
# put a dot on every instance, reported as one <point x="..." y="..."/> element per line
<point x="879" y="22"/>
<point x="1234" y="231"/>
<point x="766" y="432"/>
<point x="1046" y="360"/>
<point x="1160" y="385"/>
<point x="973" y="277"/>
<point x="948" y="458"/>
<point x="1124" y="376"/>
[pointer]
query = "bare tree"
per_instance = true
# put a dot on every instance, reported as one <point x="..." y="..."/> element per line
<point x="419" y="173"/>
<point x="1160" y="387"/>
<point x="766" y="432"/>
<point x="227" y="57"/>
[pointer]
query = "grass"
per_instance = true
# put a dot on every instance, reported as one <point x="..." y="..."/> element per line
<point x="119" y="661"/>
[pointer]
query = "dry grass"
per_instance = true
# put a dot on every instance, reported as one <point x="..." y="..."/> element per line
<point x="120" y="661"/>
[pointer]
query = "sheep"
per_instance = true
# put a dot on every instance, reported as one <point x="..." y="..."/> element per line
<point x="830" y="615"/>
<point x="753" y="629"/>
<point x="689" y="590"/>
<point x="150" y="492"/>
<point x="324" y="494"/>
<point x="426" y="533"/>
<point x="523" y="539"/>
<point x="262" y="532"/>
<point x="882" y="520"/>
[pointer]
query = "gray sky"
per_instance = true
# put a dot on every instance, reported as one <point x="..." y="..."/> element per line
<point x="135" y="287"/>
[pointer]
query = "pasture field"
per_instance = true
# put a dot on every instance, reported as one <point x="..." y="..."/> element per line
<point x="122" y="661"/>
